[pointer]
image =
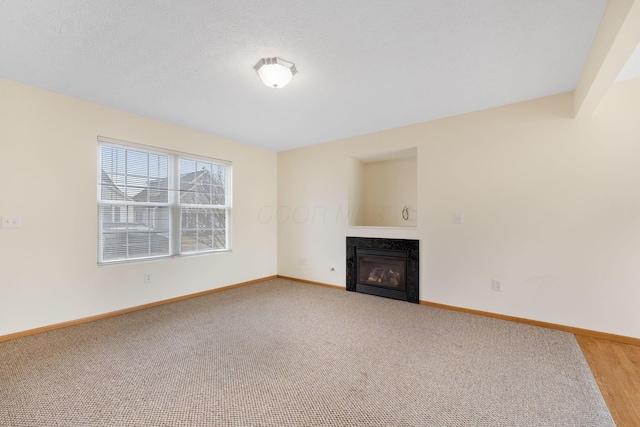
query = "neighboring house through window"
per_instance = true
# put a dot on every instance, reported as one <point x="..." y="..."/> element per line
<point x="158" y="204"/>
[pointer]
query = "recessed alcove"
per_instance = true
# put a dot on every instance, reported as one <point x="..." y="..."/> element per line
<point x="383" y="189"/>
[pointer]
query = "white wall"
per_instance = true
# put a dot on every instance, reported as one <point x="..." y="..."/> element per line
<point x="551" y="206"/>
<point x="48" y="268"/>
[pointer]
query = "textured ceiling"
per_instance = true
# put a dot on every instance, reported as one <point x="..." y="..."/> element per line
<point x="363" y="65"/>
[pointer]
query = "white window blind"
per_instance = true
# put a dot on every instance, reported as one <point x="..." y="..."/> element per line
<point x="155" y="204"/>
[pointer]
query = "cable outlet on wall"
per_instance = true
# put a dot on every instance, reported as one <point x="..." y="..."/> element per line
<point x="496" y="285"/>
<point x="147" y="277"/>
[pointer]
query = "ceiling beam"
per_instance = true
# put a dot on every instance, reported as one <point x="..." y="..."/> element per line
<point x="617" y="38"/>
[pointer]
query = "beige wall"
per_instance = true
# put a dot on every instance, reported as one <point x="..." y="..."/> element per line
<point x="356" y="192"/>
<point x="48" y="268"/>
<point x="389" y="187"/>
<point x="551" y="206"/>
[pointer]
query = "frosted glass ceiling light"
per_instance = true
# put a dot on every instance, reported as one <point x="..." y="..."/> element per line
<point x="275" y="72"/>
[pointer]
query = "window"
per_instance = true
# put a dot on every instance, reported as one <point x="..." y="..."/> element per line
<point x="157" y="204"/>
<point x="203" y="211"/>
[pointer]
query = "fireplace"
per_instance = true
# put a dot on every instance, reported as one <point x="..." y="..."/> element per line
<point x="383" y="267"/>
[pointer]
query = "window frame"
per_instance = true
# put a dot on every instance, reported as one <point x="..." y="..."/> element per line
<point x="173" y="202"/>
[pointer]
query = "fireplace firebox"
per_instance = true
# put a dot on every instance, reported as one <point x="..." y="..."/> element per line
<point x="383" y="267"/>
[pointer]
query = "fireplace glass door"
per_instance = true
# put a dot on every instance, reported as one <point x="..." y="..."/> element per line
<point x="382" y="271"/>
<point x="382" y="268"/>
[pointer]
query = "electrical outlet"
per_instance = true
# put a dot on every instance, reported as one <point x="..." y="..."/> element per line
<point x="458" y="218"/>
<point x="304" y="261"/>
<point x="147" y="277"/>
<point x="11" y="221"/>
<point x="496" y="285"/>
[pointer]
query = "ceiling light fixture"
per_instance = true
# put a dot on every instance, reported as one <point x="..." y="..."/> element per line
<point x="275" y="72"/>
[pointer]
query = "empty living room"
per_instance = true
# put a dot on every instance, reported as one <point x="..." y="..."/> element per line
<point x="337" y="213"/>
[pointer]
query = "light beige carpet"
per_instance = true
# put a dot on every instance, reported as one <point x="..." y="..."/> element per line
<point x="282" y="353"/>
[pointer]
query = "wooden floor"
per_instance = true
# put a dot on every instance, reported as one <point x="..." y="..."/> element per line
<point x="616" y="368"/>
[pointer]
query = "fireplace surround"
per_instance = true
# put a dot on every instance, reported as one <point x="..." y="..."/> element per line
<point x="384" y="267"/>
